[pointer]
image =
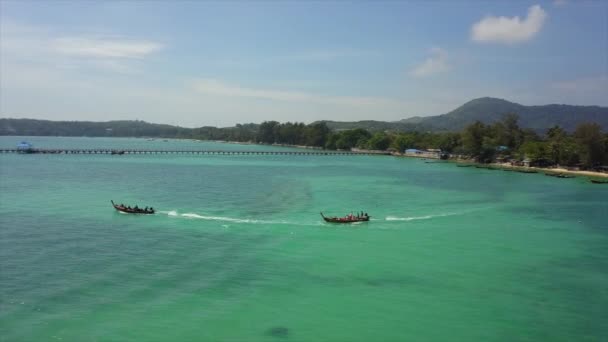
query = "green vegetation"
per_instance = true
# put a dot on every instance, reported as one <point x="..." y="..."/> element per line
<point x="505" y="140"/>
<point x="85" y="128"/>
<point x="272" y="132"/>
<point x="488" y="111"/>
<point x="587" y="146"/>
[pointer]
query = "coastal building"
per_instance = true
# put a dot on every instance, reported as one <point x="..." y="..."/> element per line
<point x="433" y="153"/>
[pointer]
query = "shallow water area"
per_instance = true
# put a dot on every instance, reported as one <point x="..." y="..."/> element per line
<point x="237" y="250"/>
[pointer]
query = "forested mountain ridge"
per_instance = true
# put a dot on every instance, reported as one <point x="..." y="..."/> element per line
<point x="122" y="128"/>
<point x="490" y="110"/>
<point x="486" y="110"/>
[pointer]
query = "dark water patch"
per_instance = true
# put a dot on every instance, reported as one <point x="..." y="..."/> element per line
<point x="592" y="215"/>
<point x="568" y="287"/>
<point x="279" y="332"/>
<point x="280" y="195"/>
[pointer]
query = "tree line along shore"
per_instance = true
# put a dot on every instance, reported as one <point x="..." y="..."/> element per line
<point x="502" y="145"/>
<point x="503" y="142"/>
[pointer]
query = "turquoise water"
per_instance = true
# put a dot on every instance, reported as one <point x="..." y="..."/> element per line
<point x="238" y="251"/>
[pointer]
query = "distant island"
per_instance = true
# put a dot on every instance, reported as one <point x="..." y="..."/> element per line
<point x="484" y="130"/>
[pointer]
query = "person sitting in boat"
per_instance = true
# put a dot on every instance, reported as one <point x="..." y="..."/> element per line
<point x="151" y="209"/>
<point x="136" y="208"/>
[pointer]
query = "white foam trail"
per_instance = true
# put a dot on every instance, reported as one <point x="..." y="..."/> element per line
<point x="426" y="217"/>
<point x="222" y="218"/>
<point x="174" y="213"/>
<point x="413" y="218"/>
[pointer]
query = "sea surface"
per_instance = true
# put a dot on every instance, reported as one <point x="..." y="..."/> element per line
<point x="238" y="251"/>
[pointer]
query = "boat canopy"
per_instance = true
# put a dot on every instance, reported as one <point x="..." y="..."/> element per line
<point x="24" y="145"/>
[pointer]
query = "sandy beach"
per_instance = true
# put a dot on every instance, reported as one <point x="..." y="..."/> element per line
<point x="549" y="170"/>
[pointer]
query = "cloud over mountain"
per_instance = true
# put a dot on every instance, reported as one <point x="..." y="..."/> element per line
<point x="437" y="63"/>
<point x="509" y="30"/>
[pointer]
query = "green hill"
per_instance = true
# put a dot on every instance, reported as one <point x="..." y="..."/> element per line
<point x="87" y="128"/>
<point x="489" y="110"/>
<point x="245" y="132"/>
<point x="486" y="110"/>
<point x="539" y="118"/>
<point x="370" y="125"/>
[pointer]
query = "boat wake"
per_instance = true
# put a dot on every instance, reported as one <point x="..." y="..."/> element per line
<point x="414" y="218"/>
<point x="427" y="217"/>
<point x="195" y="216"/>
<point x="224" y="219"/>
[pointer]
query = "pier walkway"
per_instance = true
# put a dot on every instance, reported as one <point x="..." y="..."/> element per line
<point x="199" y="152"/>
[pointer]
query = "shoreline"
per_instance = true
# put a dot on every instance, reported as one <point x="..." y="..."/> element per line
<point x="552" y="170"/>
<point x="556" y="170"/>
<point x="580" y="173"/>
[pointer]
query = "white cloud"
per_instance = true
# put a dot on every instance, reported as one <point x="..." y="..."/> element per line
<point x="218" y="88"/>
<point x="509" y="30"/>
<point x="298" y="57"/>
<point x="39" y="46"/>
<point x="60" y="95"/>
<point x="437" y="63"/>
<point x="104" y="47"/>
<point x="61" y="71"/>
<point x="214" y="87"/>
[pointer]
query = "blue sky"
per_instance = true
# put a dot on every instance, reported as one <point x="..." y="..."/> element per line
<point x="220" y="63"/>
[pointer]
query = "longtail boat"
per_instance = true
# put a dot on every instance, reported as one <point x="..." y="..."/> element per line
<point x="558" y="175"/>
<point x="597" y="181"/>
<point x="345" y="219"/>
<point x="129" y="210"/>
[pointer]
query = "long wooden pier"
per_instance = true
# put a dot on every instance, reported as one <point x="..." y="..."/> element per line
<point x="198" y="152"/>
